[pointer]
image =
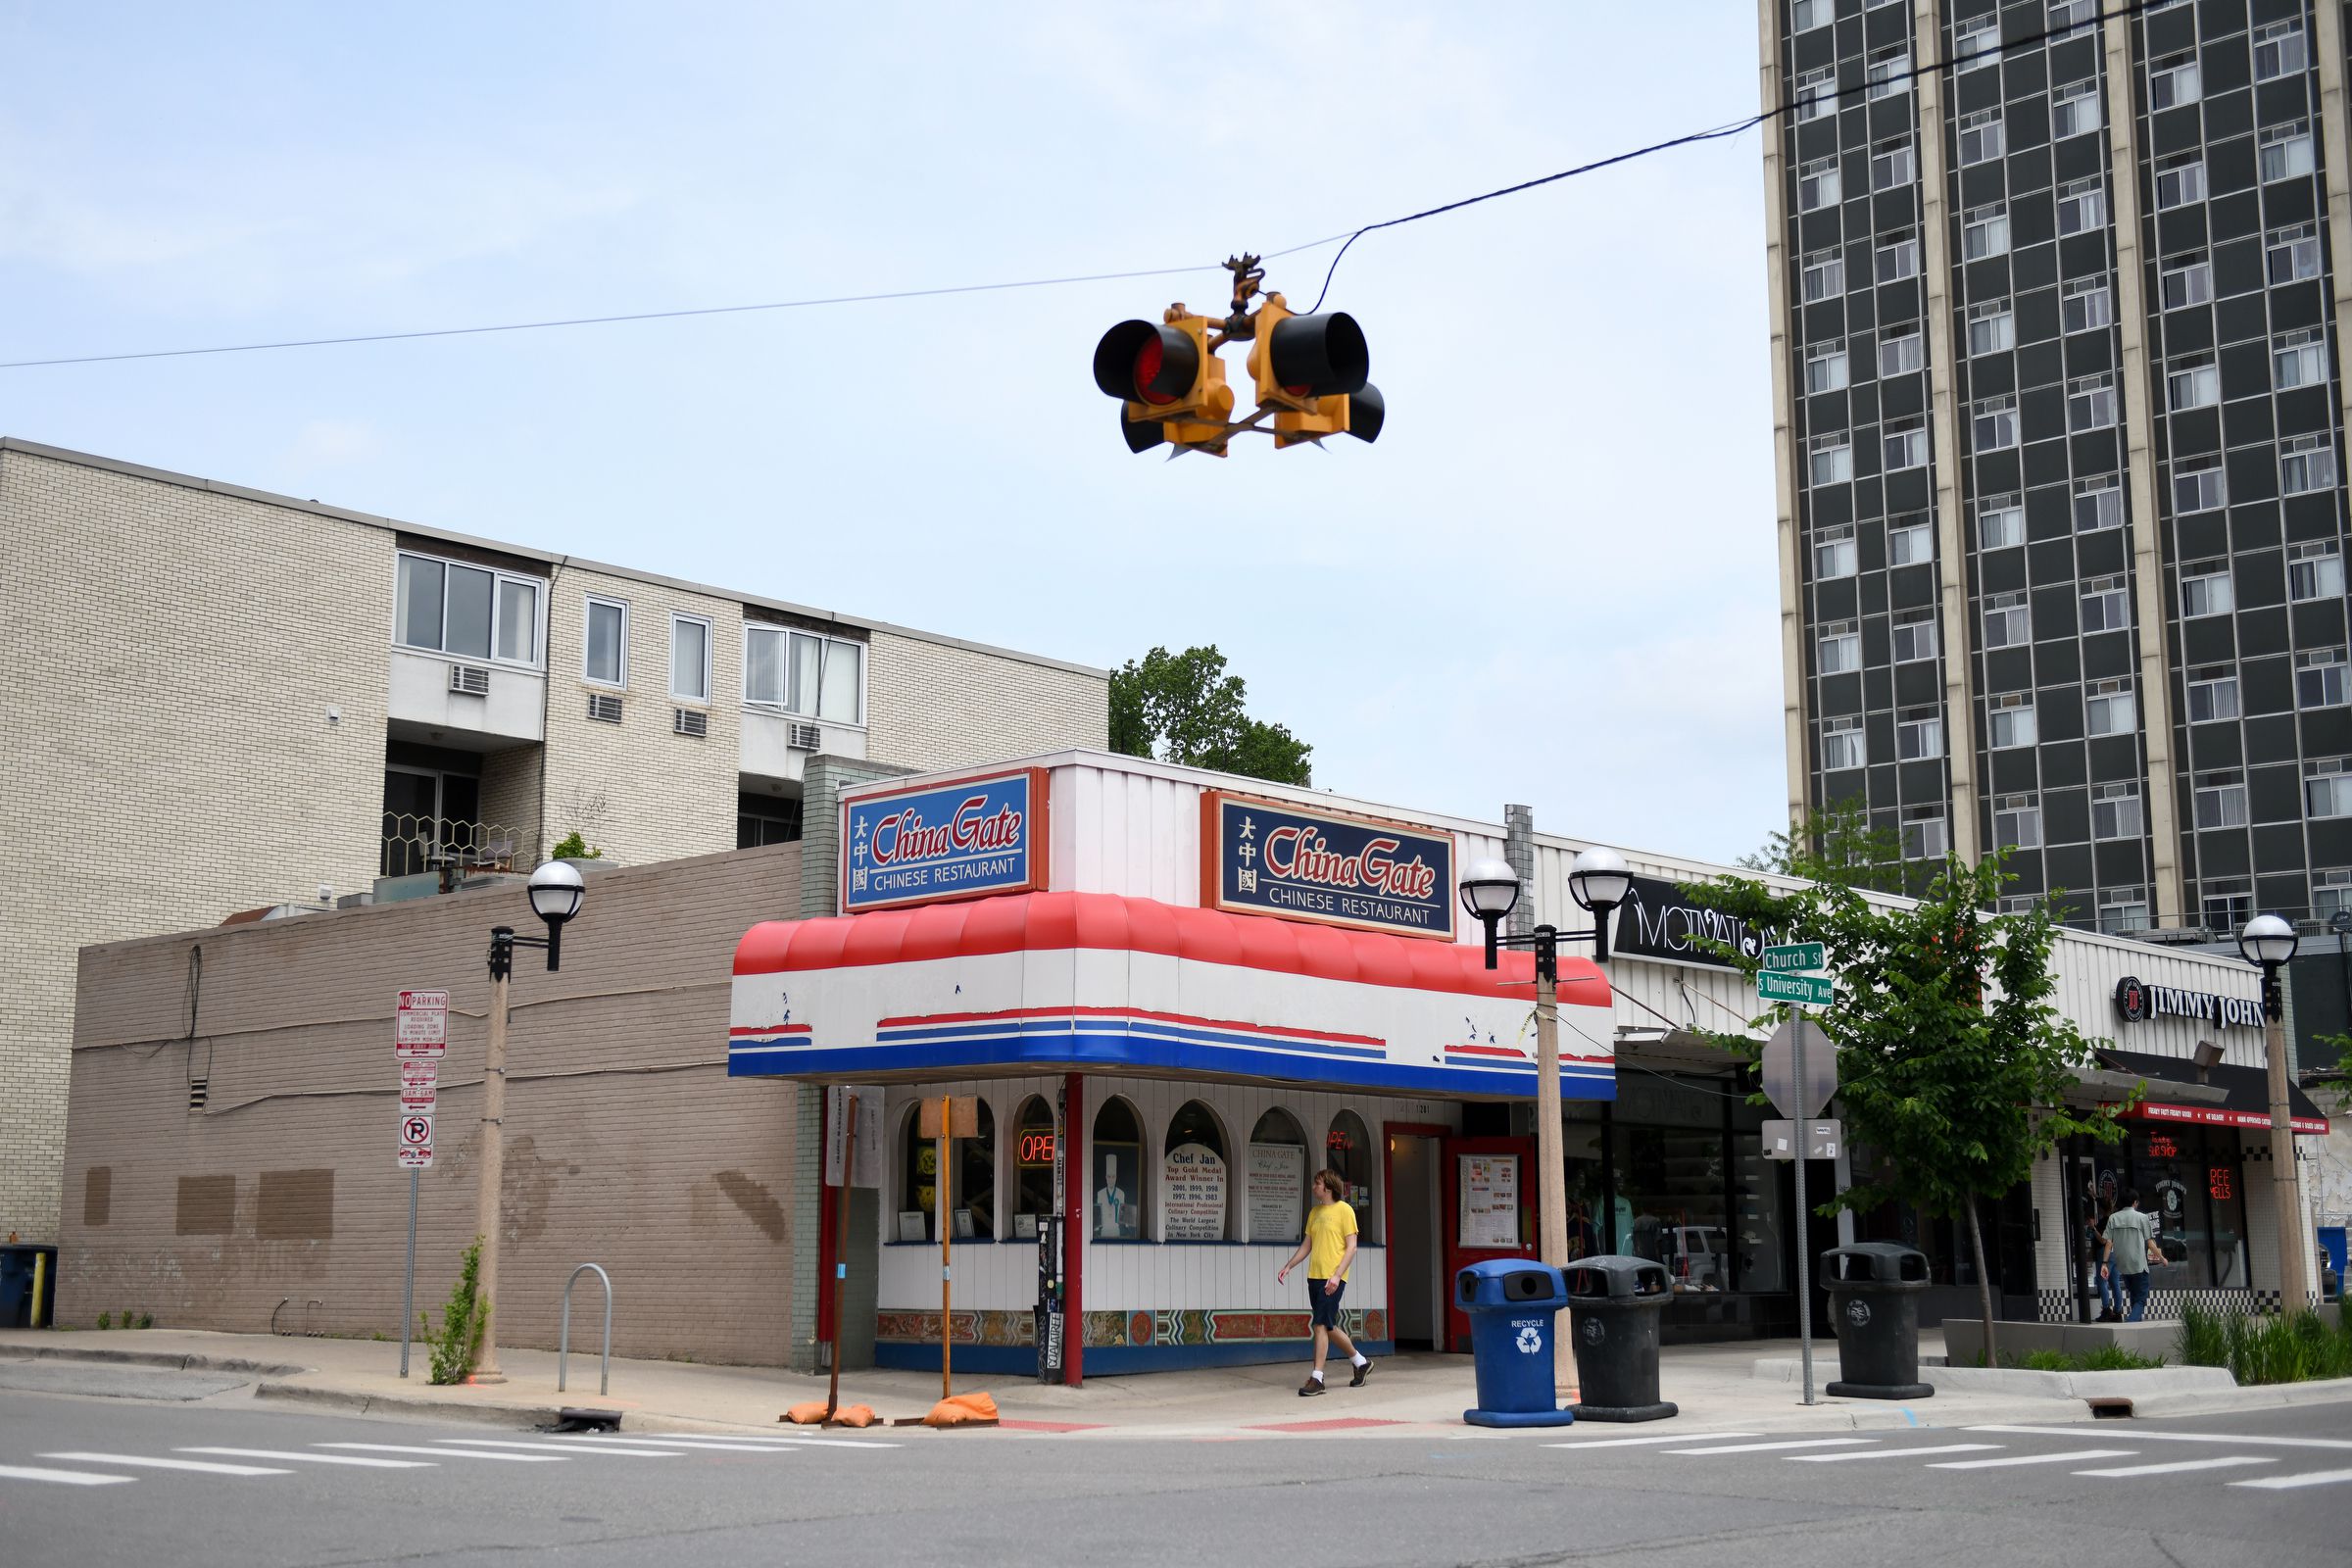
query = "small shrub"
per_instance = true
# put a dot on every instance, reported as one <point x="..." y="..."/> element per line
<point x="2291" y="1348"/>
<point x="2204" y="1340"/>
<point x="106" y="1320"/>
<point x="2048" y="1361"/>
<point x="463" y="1319"/>
<point x="575" y="848"/>
<point x="2115" y="1358"/>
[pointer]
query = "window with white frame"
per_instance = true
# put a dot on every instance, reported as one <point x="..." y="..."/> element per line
<point x="2331" y="893"/>
<point x="2005" y="623"/>
<point x="448" y="606"/>
<point x="2085" y="305"/>
<point x="2091" y="403"/>
<point x="2299" y="358"/>
<point x="2123" y="911"/>
<point x="2000" y="523"/>
<point x="2213" y="695"/>
<point x="1825" y="368"/>
<point x="2010" y="721"/>
<point x="2315" y="570"/>
<point x="1817" y="185"/>
<point x="2284" y="152"/>
<point x="2220" y="800"/>
<point x="2199" y="486"/>
<point x="690" y="659"/>
<point x="604" y="654"/>
<point x="2110" y="708"/>
<point x="1834" y="551"/>
<point x="1992" y="423"/>
<point x="2293" y="254"/>
<point x="2106" y="604"/>
<point x="2320" y="678"/>
<point x="1907" y="542"/>
<point x="2207" y="590"/>
<point x="2115" y="812"/>
<point x="1913" y="635"/>
<point x="2074" y="111"/>
<point x="2179" y="181"/>
<point x="1892" y="165"/>
<point x="2307" y="464"/>
<point x="1919" y="734"/>
<point x="1831" y="459"/>
<point x="1806" y="15"/>
<point x="1824" y="275"/>
<point x="1890" y="72"/>
<point x="2193" y="385"/>
<point x="2017" y="821"/>
<point x="1984" y="233"/>
<point x="1901" y="356"/>
<point x="1981" y="137"/>
<point x="1991" y="327"/>
<point x="2082" y="204"/>
<point x="1906" y="446"/>
<point x="1897" y="258"/>
<point x="2226" y="907"/>
<point x="2099" y="504"/>
<point x="2173" y="82"/>
<point x="1977" y="42"/>
<point x="1841" y="744"/>
<point x="1840" y="648"/>
<point x="1817" y="94"/>
<point x="802" y="672"/>
<point x="2327" y="787"/>
<point x="2187" y="280"/>
<point x="1926" y="834"/>
<point x="2067" y="14"/>
<point x="2279" y="50"/>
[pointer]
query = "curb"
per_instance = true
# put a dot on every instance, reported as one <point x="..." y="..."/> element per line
<point x="2257" y="1397"/>
<point x="519" y="1416"/>
<point x="157" y="1358"/>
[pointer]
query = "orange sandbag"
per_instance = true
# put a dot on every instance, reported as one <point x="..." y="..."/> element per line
<point x="964" y="1409"/>
<point x="813" y="1414"/>
<point x="855" y="1415"/>
<point x="805" y="1415"/>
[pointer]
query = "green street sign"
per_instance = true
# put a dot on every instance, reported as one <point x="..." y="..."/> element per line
<point x="1804" y="990"/>
<point x="1794" y="956"/>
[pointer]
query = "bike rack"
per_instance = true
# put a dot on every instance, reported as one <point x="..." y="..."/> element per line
<point x="604" y="1382"/>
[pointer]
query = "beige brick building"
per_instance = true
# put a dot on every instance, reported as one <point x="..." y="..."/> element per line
<point x="220" y="699"/>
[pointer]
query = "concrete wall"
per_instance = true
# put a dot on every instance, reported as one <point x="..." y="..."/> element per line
<point x="627" y="1144"/>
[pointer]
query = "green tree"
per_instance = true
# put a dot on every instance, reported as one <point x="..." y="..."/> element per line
<point x="1953" y="1065"/>
<point x="1837" y="845"/>
<point x="1184" y="708"/>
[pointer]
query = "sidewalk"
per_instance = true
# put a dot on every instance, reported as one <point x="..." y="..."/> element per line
<point x="1746" y="1386"/>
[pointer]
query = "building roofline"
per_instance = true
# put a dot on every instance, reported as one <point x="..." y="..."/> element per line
<point x="189" y="481"/>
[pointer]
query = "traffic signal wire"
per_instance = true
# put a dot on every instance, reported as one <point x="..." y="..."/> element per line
<point x="1348" y="240"/>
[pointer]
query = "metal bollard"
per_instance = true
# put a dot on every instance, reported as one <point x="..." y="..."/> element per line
<point x="604" y="1382"/>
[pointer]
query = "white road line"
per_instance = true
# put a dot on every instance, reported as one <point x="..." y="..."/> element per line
<point x="703" y="1443"/>
<point x="1775" y="1447"/>
<point x="1635" y="1442"/>
<point x="2035" y="1458"/>
<point x="2314" y="1477"/>
<point x="452" y="1454"/>
<point x="2109" y="1428"/>
<point x="2180" y="1465"/>
<point x="201" y="1466"/>
<point x="71" y="1477"/>
<point x="1891" y="1453"/>
<point x="739" y="1439"/>
<point x="559" y="1447"/>
<point x="313" y="1458"/>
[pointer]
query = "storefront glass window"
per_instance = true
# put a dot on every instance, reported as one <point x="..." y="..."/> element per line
<point x="1033" y="1143"/>
<point x="971" y="1201"/>
<point x="1670" y="1198"/>
<point x="1588" y="1202"/>
<point x="1115" y="1159"/>
<point x="1275" y="1176"/>
<point x="1348" y="1149"/>
<point x="1192" y="1191"/>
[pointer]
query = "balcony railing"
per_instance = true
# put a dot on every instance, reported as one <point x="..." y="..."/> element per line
<point x="456" y="849"/>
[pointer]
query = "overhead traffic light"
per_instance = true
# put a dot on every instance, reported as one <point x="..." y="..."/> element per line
<point x="1311" y="369"/>
<point x="1169" y="382"/>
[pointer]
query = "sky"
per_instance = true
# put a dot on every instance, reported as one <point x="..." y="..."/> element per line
<point x="1551" y="581"/>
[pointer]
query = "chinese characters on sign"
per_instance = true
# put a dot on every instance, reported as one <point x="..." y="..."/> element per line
<point x="943" y="841"/>
<point x="1263" y="857"/>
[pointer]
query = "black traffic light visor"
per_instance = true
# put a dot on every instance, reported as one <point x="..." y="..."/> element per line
<point x="1368" y="411"/>
<point x="1315" y="356"/>
<point x="1142" y="434"/>
<point x="1144" y="362"/>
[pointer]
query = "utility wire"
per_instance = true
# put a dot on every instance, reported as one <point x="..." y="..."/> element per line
<point x="1733" y="128"/>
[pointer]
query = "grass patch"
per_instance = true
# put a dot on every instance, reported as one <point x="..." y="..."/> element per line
<point x="2295" y="1347"/>
<point x="2100" y="1358"/>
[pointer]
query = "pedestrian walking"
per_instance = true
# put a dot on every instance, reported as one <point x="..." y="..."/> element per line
<point x="1328" y="1251"/>
<point x="2130" y="1247"/>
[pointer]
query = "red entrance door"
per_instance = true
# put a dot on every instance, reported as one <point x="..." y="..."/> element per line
<point x="1489" y="1212"/>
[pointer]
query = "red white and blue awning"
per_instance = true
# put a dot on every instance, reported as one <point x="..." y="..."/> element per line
<point x="1094" y="982"/>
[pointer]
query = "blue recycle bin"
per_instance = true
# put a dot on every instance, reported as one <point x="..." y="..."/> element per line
<point x="1510" y="1302"/>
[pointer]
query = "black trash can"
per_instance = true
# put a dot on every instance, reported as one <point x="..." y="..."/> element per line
<point x="17" y="1269"/>
<point x="1614" y="1305"/>
<point x="1873" y="1301"/>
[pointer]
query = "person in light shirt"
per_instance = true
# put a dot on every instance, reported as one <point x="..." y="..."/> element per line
<point x="1328" y="1251"/>
<point x="2130" y="1247"/>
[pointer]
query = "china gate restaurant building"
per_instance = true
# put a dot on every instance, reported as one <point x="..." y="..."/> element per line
<point x="1176" y="995"/>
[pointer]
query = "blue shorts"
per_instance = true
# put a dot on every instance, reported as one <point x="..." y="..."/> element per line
<point x="1323" y="1306"/>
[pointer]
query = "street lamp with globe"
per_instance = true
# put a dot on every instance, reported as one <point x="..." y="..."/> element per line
<point x="2270" y="942"/>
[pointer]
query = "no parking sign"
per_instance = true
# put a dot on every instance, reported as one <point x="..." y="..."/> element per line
<point x="416" y="1139"/>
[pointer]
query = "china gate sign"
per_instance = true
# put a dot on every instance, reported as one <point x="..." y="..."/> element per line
<point x="959" y="839"/>
<point x="1266" y="857"/>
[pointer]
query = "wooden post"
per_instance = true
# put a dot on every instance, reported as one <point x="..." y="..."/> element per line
<point x="841" y="1241"/>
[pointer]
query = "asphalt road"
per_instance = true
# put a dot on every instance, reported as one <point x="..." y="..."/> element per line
<point x="101" y="1481"/>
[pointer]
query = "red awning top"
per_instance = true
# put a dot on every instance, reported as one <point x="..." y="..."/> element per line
<point x="1052" y="921"/>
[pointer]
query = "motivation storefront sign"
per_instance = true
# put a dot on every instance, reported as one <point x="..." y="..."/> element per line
<point x="1264" y="858"/>
<point x="1661" y="921"/>
<point x="2137" y="1002"/>
<point x="959" y="839"/>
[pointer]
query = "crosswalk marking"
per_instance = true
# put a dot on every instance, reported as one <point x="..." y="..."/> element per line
<point x="1891" y="1453"/>
<point x="561" y="1447"/>
<point x="2229" y="1462"/>
<point x="312" y="1459"/>
<point x="739" y="1439"/>
<point x="2034" y="1458"/>
<point x="1635" y="1442"/>
<point x="1774" y="1447"/>
<point x="2314" y="1477"/>
<point x="705" y="1444"/>
<point x="452" y="1454"/>
<point x="2105" y="1428"/>
<point x="201" y="1466"/>
<point x="71" y="1477"/>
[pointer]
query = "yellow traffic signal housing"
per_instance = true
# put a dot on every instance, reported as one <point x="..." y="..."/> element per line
<point x="1169" y="384"/>
<point x="1312" y="371"/>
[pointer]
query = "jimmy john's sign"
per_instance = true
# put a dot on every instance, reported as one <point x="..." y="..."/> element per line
<point x="2137" y="1001"/>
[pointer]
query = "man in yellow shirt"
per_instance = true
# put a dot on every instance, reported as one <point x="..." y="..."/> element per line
<point x="1328" y="1251"/>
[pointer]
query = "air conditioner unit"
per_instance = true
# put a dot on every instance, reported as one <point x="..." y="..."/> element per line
<point x="603" y="708"/>
<point x="689" y="722"/>
<point x="469" y="680"/>
<point x="803" y="737"/>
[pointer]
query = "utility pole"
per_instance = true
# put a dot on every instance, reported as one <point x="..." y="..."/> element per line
<point x="1552" y="1199"/>
<point x="2294" y="1283"/>
<point x="493" y="1170"/>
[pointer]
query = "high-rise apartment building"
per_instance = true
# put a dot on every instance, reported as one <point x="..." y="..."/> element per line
<point x="2060" y="407"/>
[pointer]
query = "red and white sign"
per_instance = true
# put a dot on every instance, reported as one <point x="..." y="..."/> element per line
<point x="2216" y="1116"/>
<point x="421" y="1029"/>
<point x="416" y="1139"/>
<point x="420" y="1087"/>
